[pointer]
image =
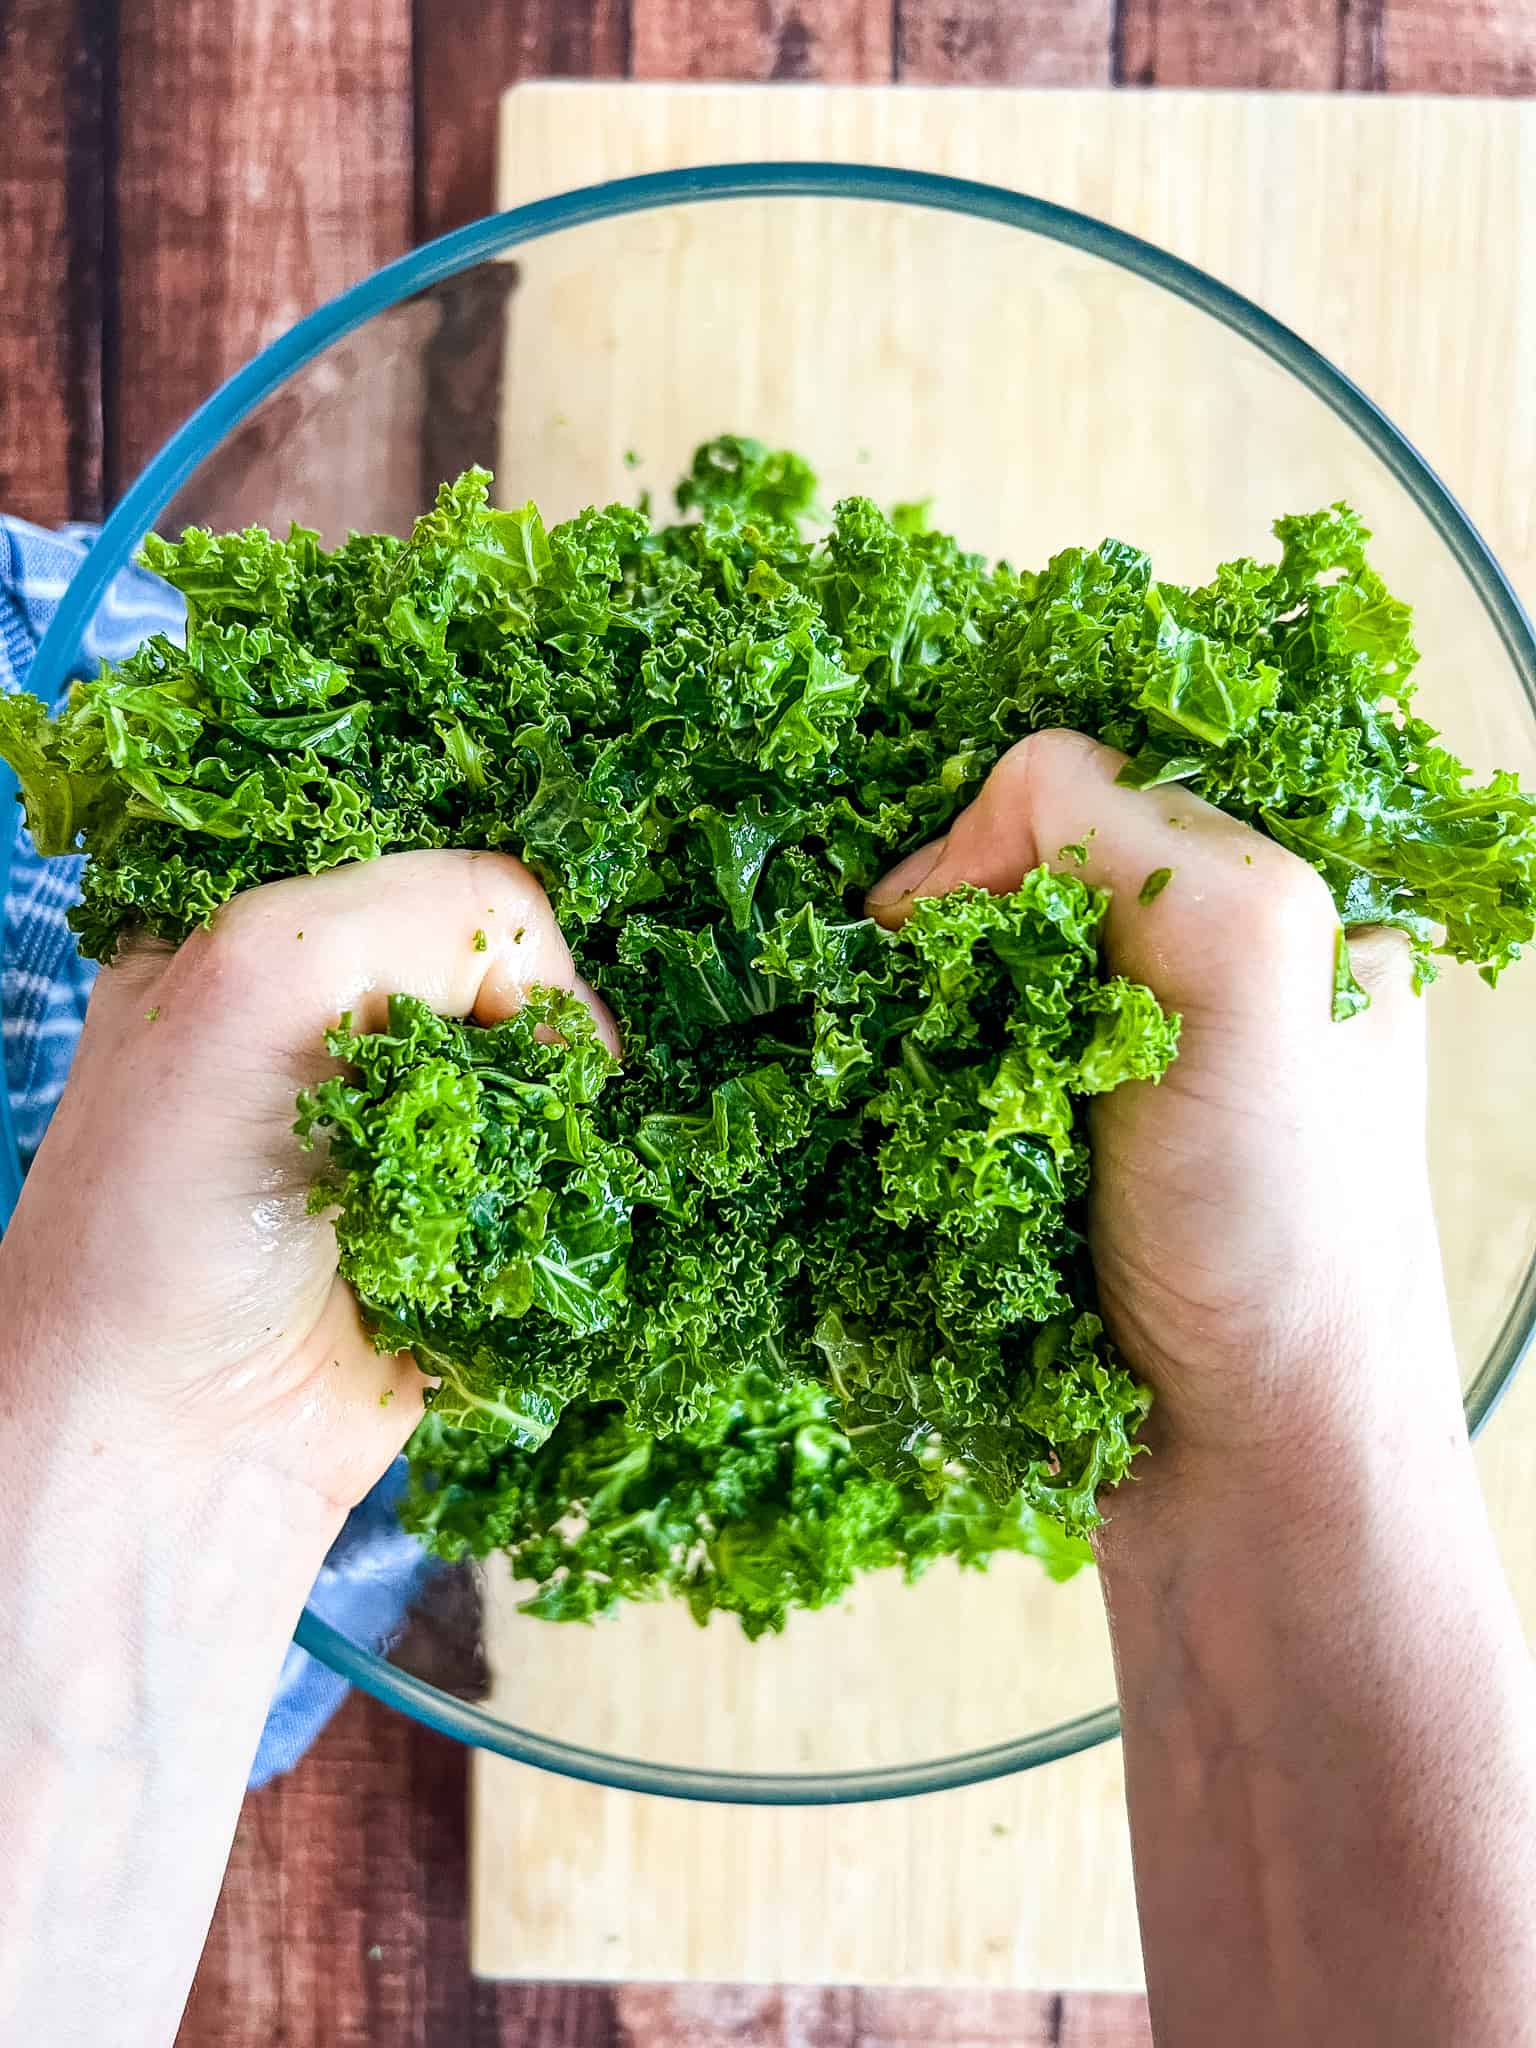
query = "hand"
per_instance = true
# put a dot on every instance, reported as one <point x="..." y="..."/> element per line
<point x="1326" y="1703"/>
<point x="1260" y="1221"/>
<point x="169" y="1284"/>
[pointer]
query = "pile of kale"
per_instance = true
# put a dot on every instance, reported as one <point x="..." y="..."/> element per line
<point x="799" y="1287"/>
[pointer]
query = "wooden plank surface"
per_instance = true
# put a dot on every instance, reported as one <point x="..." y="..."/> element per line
<point x="52" y="275"/>
<point x="1459" y="46"/>
<point x="466" y="55"/>
<point x="974" y="42"/>
<point x="264" y="162"/>
<point x="830" y="40"/>
<point x="1250" y="43"/>
<point x="341" y="1925"/>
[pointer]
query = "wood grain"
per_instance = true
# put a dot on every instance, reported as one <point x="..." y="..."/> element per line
<point x="1459" y="46"/>
<point x="977" y="42"/>
<point x="264" y="163"/>
<point x="1251" y="43"/>
<point x="465" y="56"/>
<point x="341" y="1923"/>
<point x="341" y="1926"/>
<point x="734" y="2016"/>
<point x="1361" y="63"/>
<point x="831" y="40"/>
<point x="53" y="143"/>
<point x="1107" y="2022"/>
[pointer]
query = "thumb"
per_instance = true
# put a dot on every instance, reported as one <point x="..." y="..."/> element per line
<point x="1212" y="916"/>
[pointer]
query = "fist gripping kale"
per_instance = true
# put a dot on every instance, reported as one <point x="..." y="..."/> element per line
<point x="799" y="1287"/>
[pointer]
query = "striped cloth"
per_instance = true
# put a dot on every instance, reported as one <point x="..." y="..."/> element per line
<point x="374" y="1569"/>
<point x="45" y="982"/>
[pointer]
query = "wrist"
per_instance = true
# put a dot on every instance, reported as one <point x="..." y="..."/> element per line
<point x="1236" y="1579"/>
<point x="110" y="1500"/>
<point x="1327" y="1708"/>
<point x="154" y="1607"/>
<point x="1324" y="1427"/>
<point x="150" y="1600"/>
<point x="167" y="1448"/>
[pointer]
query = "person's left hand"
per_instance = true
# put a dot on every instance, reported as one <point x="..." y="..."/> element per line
<point x="165" y="1285"/>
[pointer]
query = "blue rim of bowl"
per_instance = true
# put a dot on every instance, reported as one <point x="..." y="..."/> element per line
<point x="495" y="235"/>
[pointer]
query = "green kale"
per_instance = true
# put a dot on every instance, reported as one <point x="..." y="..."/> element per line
<point x="800" y="1287"/>
<point x="760" y="1506"/>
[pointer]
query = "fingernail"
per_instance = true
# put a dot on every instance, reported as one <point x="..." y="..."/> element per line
<point x="909" y="875"/>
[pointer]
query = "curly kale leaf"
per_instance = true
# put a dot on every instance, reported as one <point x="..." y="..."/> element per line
<point x="704" y="715"/>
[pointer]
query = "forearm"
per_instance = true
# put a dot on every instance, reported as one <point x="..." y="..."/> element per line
<point x="142" y="1624"/>
<point x="1330" y="1751"/>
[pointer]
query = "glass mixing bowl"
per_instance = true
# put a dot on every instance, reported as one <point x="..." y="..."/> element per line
<point x="1045" y="380"/>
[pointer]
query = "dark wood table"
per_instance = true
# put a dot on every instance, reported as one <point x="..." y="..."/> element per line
<point x="179" y="179"/>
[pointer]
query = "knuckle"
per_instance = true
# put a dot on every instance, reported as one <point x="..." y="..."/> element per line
<point x="1054" y="752"/>
<point x="510" y="886"/>
<point x="506" y="868"/>
<point x="1293" y="904"/>
<point x="229" y="961"/>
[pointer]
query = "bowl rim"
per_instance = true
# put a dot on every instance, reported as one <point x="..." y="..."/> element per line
<point x="493" y="235"/>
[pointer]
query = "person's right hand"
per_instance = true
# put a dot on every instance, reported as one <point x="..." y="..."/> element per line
<point x="1260" y="1221"/>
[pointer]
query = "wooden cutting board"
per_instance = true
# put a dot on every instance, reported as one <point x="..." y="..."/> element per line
<point x="1396" y="234"/>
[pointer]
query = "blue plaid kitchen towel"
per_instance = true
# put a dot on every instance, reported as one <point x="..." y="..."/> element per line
<point x="374" y="1569"/>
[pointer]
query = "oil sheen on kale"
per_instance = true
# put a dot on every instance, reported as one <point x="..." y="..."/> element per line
<point x="798" y="1288"/>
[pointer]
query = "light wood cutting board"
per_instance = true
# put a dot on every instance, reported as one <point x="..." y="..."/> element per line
<point x="1397" y="236"/>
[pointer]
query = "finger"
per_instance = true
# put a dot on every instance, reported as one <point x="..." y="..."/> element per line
<point x="1205" y="911"/>
<point x="467" y="933"/>
<point x="233" y="1027"/>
